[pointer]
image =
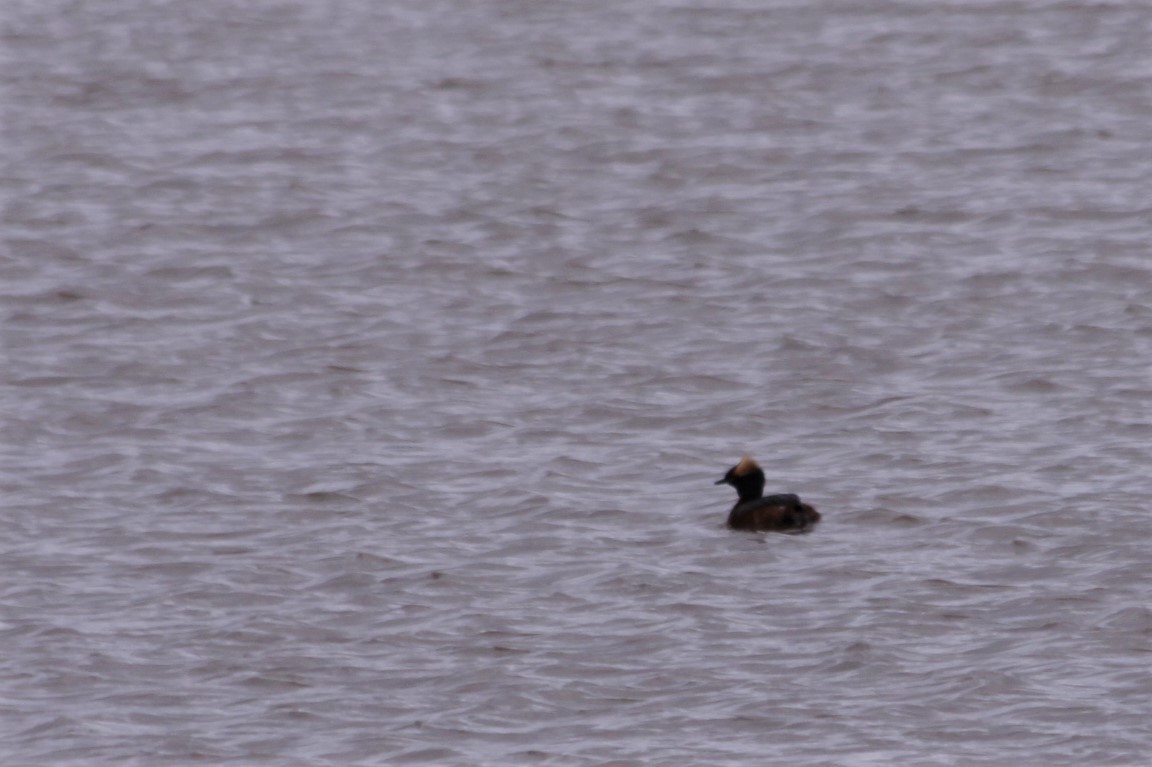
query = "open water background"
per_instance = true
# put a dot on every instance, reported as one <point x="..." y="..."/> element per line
<point x="367" y="367"/>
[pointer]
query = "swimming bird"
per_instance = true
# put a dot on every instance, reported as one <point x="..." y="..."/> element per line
<point x="756" y="511"/>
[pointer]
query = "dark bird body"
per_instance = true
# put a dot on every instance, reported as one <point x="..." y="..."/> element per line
<point x="755" y="511"/>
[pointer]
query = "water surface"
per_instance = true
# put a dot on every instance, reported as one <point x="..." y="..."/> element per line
<point x="368" y="367"/>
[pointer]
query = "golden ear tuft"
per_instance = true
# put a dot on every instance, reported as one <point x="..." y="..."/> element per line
<point x="746" y="466"/>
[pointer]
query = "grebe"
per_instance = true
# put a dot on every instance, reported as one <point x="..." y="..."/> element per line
<point x="756" y="511"/>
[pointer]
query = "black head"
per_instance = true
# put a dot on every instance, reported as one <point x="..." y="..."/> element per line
<point x="747" y="477"/>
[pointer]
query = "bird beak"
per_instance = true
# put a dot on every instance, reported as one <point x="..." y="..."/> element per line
<point x="721" y="481"/>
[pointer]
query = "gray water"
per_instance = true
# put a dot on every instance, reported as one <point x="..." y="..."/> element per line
<point x="368" y="365"/>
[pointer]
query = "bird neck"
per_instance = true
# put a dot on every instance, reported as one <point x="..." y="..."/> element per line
<point x="750" y="486"/>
